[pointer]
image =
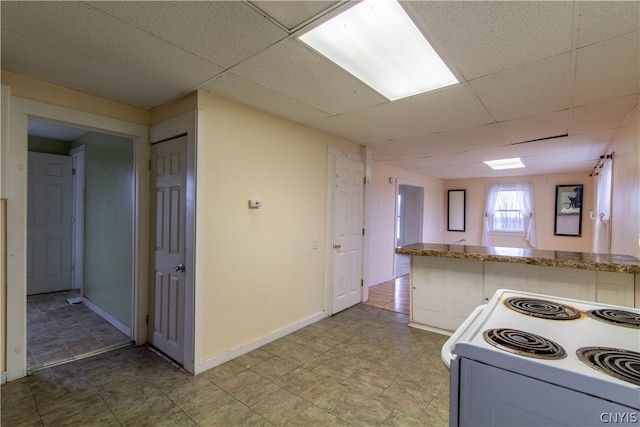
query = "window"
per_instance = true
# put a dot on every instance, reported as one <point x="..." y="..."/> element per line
<point x="509" y="209"/>
<point x="508" y="213"/>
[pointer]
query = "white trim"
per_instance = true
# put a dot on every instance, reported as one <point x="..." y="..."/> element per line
<point x="430" y="328"/>
<point x="5" y="105"/>
<point x="106" y="316"/>
<point x="407" y="183"/>
<point x="78" y="163"/>
<point x="16" y="166"/>
<point x="332" y="153"/>
<point x="189" y="124"/>
<point x="368" y="197"/>
<point x="257" y="343"/>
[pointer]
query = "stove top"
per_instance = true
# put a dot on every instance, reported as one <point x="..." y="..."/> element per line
<point x="555" y="340"/>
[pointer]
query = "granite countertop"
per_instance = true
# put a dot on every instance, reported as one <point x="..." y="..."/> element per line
<point x="588" y="261"/>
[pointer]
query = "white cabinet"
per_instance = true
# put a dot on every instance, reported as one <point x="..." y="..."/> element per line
<point x="563" y="282"/>
<point x="615" y="288"/>
<point x="444" y="291"/>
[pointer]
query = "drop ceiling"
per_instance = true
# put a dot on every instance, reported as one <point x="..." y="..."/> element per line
<point x="550" y="82"/>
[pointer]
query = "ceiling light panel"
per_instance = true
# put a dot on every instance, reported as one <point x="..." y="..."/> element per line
<point x="513" y="163"/>
<point x="378" y="43"/>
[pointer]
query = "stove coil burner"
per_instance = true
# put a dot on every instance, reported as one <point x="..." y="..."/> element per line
<point x="616" y="317"/>
<point x="621" y="364"/>
<point x="542" y="308"/>
<point x="524" y="343"/>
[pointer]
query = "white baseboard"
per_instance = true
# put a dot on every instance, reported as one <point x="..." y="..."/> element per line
<point x="430" y="329"/>
<point x="109" y="318"/>
<point x="3" y="377"/>
<point x="250" y="346"/>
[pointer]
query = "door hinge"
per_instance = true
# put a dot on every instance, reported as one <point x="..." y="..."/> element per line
<point x="149" y="164"/>
<point x="146" y="319"/>
<point x="362" y="283"/>
<point x="364" y="180"/>
<point x="73" y="171"/>
<point x="363" y="231"/>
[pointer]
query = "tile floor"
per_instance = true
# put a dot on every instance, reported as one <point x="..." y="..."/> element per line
<point x="58" y="331"/>
<point x="362" y="367"/>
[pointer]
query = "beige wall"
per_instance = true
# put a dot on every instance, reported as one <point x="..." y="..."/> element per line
<point x="544" y="187"/>
<point x="380" y="252"/>
<point x="257" y="269"/>
<point x="625" y="210"/>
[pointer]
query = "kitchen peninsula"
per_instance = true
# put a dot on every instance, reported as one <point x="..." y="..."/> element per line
<point x="449" y="281"/>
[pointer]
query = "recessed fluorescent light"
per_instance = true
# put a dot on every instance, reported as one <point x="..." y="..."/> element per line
<point x="378" y="43"/>
<point x="505" y="163"/>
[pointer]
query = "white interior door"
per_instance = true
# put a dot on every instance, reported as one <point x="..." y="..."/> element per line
<point x="347" y="234"/>
<point x="169" y="163"/>
<point x="48" y="223"/>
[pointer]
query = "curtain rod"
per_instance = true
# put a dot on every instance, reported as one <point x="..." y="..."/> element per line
<point x="600" y="164"/>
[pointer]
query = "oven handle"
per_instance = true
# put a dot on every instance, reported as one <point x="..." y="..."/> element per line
<point x="447" y="349"/>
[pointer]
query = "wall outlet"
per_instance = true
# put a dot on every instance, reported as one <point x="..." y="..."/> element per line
<point x="254" y="204"/>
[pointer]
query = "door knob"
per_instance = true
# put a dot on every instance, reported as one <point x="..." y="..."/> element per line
<point x="337" y="246"/>
<point x="179" y="267"/>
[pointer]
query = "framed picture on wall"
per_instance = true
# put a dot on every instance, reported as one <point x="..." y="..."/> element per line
<point x="456" y="200"/>
<point x="568" y="210"/>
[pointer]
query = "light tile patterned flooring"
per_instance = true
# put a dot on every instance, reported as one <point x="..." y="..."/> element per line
<point x="362" y="367"/>
<point x="58" y="331"/>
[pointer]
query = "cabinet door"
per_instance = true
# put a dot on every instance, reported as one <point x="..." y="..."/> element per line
<point x="500" y="275"/>
<point x="614" y="288"/>
<point x="568" y="283"/>
<point x="466" y="284"/>
<point x="429" y="293"/>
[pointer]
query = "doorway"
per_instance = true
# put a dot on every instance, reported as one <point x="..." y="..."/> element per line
<point x="409" y="222"/>
<point x="15" y="167"/>
<point x="77" y="304"/>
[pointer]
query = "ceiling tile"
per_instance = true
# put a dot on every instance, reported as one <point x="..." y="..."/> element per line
<point x="603" y="20"/>
<point x="299" y="73"/>
<point x="480" y="38"/>
<point x="602" y="115"/>
<point x="532" y="89"/>
<point x="247" y="92"/>
<point x="36" y="60"/>
<point x="410" y="148"/>
<point x="434" y="108"/>
<point x="608" y="70"/>
<point x="543" y="126"/>
<point x="291" y="14"/>
<point x="226" y="31"/>
<point x="80" y="30"/>
<point x="390" y="120"/>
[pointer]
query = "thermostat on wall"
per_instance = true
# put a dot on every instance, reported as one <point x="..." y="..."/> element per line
<point x="254" y="204"/>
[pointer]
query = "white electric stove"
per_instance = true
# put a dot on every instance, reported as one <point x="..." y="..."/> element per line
<point x="538" y="360"/>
